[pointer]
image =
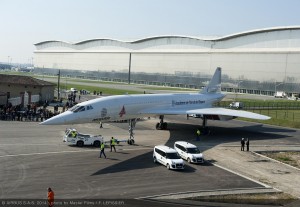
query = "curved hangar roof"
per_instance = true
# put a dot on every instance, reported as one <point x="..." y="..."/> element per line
<point x="278" y="37"/>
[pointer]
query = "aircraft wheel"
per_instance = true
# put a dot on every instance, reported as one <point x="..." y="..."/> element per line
<point x="165" y="125"/>
<point x="154" y="160"/>
<point x="188" y="160"/>
<point x="157" y="126"/>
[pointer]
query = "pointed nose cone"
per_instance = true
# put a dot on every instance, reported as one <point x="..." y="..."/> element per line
<point x="61" y="119"/>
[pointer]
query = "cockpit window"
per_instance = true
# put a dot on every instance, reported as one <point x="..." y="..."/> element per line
<point x="77" y="108"/>
<point x="89" y="108"/>
<point x="81" y="108"/>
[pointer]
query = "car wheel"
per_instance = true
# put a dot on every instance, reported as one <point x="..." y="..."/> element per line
<point x="80" y="143"/>
<point x="188" y="160"/>
<point x="168" y="166"/>
<point x="154" y="160"/>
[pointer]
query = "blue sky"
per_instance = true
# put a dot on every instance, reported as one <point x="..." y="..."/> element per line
<point x="25" y="22"/>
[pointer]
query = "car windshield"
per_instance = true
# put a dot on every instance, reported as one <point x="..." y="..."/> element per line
<point x="172" y="156"/>
<point x="193" y="150"/>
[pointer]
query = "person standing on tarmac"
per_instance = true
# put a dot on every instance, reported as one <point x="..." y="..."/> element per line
<point x="102" y="146"/>
<point x="198" y="135"/>
<point x="112" y="144"/>
<point x="247" y="144"/>
<point x="243" y="145"/>
<point x="50" y="197"/>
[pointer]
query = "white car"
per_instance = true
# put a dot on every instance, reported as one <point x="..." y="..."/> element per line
<point x="168" y="157"/>
<point x="189" y="152"/>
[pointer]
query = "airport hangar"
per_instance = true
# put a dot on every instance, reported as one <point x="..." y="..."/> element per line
<point x="256" y="62"/>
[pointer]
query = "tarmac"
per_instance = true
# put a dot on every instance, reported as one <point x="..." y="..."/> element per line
<point x="33" y="157"/>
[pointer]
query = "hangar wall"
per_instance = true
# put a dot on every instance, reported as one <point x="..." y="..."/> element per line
<point x="271" y="54"/>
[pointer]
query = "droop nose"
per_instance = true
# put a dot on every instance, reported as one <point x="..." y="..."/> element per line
<point x="61" y="119"/>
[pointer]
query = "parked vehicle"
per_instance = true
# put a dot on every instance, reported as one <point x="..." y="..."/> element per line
<point x="280" y="94"/>
<point x="189" y="152"/>
<point x="167" y="156"/>
<point x="236" y="105"/>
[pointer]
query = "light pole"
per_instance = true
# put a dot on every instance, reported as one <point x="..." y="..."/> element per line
<point x="58" y="81"/>
<point x="8" y="61"/>
<point x="238" y="83"/>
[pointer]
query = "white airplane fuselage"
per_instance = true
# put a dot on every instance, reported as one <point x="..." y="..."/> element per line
<point x="124" y="107"/>
<point x="130" y="107"/>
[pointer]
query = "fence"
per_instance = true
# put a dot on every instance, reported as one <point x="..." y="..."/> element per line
<point x="287" y="110"/>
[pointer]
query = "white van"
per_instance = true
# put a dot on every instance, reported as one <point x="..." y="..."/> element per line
<point x="168" y="157"/>
<point x="189" y="152"/>
<point x="236" y="105"/>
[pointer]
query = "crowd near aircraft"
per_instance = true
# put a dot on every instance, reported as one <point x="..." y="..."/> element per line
<point x="132" y="107"/>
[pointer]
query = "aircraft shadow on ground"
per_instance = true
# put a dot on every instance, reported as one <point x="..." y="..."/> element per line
<point x="223" y="135"/>
<point x="186" y="132"/>
<point x="139" y="162"/>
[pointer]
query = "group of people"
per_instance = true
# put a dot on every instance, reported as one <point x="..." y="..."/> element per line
<point x="113" y="142"/>
<point x="243" y="142"/>
<point x="29" y="113"/>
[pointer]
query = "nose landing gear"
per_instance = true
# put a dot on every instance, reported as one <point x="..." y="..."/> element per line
<point x="161" y="125"/>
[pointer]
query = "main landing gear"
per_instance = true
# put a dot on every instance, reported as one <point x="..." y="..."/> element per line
<point x="204" y="130"/>
<point x="132" y="123"/>
<point x="161" y="125"/>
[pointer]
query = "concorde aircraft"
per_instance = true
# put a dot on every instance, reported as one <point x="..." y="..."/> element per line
<point x="132" y="107"/>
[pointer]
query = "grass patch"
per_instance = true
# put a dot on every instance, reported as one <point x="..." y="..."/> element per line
<point x="285" y="118"/>
<point x="290" y="158"/>
<point x="275" y="199"/>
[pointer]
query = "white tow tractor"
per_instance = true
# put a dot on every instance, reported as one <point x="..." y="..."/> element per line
<point x="72" y="136"/>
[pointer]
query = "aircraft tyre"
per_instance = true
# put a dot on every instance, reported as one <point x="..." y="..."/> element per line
<point x="96" y="143"/>
<point x="168" y="166"/>
<point x="130" y="141"/>
<point x="80" y="143"/>
<point x="154" y="160"/>
<point x="162" y="126"/>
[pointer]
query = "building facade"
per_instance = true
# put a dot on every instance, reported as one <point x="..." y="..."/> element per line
<point x="248" y="59"/>
<point x="24" y="90"/>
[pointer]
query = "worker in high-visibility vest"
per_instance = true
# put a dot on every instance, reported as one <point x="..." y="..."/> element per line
<point x="112" y="144"/>
<point x="50" y="197"/>
<point x="198" y="132"/>
<point x="102" y="146"/>
<point x="74" y="134"/>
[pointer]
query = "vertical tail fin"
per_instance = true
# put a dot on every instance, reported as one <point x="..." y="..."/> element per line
<point x="214" y="85"/>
